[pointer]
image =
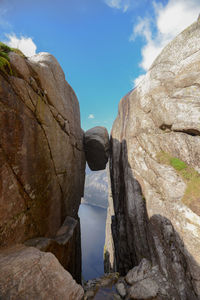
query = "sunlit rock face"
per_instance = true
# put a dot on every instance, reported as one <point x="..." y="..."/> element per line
<point x="42" y="162"/>
<point x="155" y="165"/>
<point x="96" y="144"/>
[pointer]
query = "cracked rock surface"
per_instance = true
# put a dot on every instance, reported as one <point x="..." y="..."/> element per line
<point x="42" y="161"/>
<point x="41" y="152"/>
<point x="155" y="165"/>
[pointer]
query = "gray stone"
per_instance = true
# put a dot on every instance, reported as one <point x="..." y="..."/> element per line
<point x="145" y="289"/>
<point x="121" y="289"/>
<point x="96" y="144"/>
<point x="140" y="272"/>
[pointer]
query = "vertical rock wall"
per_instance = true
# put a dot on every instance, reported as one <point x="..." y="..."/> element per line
<point x="155" y="168"/>
<point x="42" y="162"/>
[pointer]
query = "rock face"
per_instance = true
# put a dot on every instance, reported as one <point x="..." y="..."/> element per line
<point x="109" y="252"/>
<point x="27" y="273"/>
<point x="65" y="246"/>
<point x="155" y="168"/>
<point x="96" y="143"/>
<point x="42" y="162"/>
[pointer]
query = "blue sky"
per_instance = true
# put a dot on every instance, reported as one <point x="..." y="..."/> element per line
<point x="103" y="46"/>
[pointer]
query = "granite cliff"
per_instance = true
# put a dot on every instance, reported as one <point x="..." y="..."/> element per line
<point x="42" y="170"/>
<point x="155" y="175"/>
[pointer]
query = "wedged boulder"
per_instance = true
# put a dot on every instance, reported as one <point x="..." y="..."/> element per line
<point x="27" y="273"/>
<point x="155" y="168"/>
<point x="96" y="145"/>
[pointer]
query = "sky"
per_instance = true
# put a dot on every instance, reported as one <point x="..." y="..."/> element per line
<point x="105" y="47"/>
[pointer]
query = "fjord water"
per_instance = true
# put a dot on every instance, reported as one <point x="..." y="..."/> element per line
<point x="93" y="220"/>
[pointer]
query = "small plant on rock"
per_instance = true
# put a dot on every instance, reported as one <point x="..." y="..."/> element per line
<point x="5" y="66"/>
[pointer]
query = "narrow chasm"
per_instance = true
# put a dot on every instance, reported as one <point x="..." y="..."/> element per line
<point x="93" y="208"/>
<point x="92" y="213"/>
<point x="93" y="216"/>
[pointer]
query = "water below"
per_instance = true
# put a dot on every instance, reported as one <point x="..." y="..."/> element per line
<point x="93" y="220"/>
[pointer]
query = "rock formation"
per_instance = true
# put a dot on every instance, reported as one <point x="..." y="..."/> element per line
<point x="96" y="144"/>
<point x="155" y="169"/>
<point x="42" y="160"/>
<point x="27" y="273"/>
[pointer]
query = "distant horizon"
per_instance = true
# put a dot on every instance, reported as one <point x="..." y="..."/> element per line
<point x="105" y="47"/>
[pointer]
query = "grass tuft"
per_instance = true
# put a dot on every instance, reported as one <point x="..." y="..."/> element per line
<point x="4" y="48"/>
<point x="19" y="52"/>
<point x="5" y="66"/>
<point x="190" y="176"/>
<point x="4" y="59"/>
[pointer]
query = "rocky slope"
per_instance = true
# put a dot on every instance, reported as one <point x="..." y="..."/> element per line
<point x="42" y="161"/>
<point x="155" y="165"/>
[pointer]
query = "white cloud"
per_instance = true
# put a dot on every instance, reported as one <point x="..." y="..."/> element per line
<point x="91" y="116"/>
<point x="169" y="21"/>
<point x="25" y="44"/>
<point x="119" y="4"/>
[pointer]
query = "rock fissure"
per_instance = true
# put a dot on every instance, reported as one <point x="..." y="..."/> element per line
<point x="189" y="131"/>
<point x="50" y="152"/>
<point x="15" y="175"/>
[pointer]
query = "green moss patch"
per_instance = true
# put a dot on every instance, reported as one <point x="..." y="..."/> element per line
<point x="177" y="164"/>
<point x="5" y="66"/>
<point x="4" y="59"/>
<point x="4" y="48"/>
<point x="190" y="176"/>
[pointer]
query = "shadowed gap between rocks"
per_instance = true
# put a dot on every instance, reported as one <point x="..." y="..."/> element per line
<point x="92" y="211"/>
